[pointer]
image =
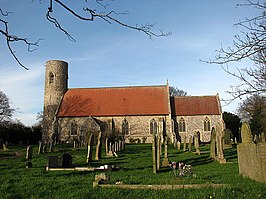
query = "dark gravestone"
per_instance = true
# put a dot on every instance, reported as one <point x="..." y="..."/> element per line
<point x="52" y="162"/>
<point x="66" y="160"/>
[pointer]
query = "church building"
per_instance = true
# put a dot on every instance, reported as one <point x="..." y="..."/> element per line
<point x="134" y="112"/>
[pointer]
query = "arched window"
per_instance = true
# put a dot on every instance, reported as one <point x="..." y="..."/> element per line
<point x="51" y="78"/>
<point x="153" y="127"/>
<point x="125" y="129"/>
<point x="182" y="125"/>
<point x="207" y="124"/>
<point x="73" y="128"/>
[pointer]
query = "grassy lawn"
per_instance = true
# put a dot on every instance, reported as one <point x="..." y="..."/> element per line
<point x="136" y="168"/>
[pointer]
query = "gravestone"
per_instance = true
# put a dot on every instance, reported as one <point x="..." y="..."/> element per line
<point x="53" y="162"/>
<point x="90" y="147"/>
<point x="159" y="151"/>
<point x="29" y="152"/>
<point x="189" y="143"/>
<point x="196" y="143"/>
<point x="154" y="154"/>
<point x="178" y="145"/>
<point x="213" y="144"/>
<point x="166" y="161"/>
<point x="185" y="144"/>
<point x="66" y="160"/>
<point x="227" y="138"/>
<point x="246" y="134"/>
<point x="251" y="156"/>
<point x="219" y="142"/>
<point x="98" y="147"/>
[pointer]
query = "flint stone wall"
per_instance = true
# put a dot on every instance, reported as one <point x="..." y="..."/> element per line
<point x="139" y="126"/>
<point x="252" y="160"/>
<point x="196" y="124"/>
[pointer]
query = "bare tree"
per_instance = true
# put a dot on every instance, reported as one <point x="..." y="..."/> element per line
<point x="249" y="45"/>
<point x="88" y="13"/>
<point x="174" y="91"/>
<point x="253" y="110"/>
<point x="5" y="110"/>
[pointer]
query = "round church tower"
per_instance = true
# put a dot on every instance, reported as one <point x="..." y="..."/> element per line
<point x="56" y="84"/>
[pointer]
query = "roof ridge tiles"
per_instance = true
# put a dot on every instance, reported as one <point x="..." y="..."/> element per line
<point x="120" y="87"/>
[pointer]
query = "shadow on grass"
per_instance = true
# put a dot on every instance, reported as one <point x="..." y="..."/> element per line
<point x="230" y="154"/>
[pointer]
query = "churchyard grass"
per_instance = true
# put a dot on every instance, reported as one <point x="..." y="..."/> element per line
<point x="135" y="164"/>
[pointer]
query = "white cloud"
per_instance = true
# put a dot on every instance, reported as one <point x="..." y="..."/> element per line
<point x="25" y="90"/>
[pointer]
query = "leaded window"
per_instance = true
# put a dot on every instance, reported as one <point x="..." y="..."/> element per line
<point x="207" y="124"/>
<point x="182" y="125"/>
<point x="153" y="127"/>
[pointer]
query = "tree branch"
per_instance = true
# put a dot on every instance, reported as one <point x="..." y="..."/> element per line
<point x="108" y="17"/>
<point x="251" y="45"/>
<point x="13" y="38"/>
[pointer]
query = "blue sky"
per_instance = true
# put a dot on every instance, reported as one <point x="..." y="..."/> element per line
<point x="107" y="55"/>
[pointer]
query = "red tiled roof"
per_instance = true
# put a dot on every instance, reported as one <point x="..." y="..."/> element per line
<point x="124" y="101"/>
<point x="196" y="105"/>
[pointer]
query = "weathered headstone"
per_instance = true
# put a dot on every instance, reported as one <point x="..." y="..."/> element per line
<point x="98" y="147"/>
<point x="246" y="134"/>
<point x="154" y="154"/>
<point x="90" y="147"/>
<point x="227" y="138"/>
<point x="158" y="152"/>
<point x="219" y="141"/>
<point x="190" y="143"/>
<point x="66" y="160"/>
<point x="196" y="143"/>
<point x="185" y="144"/>
<point x="29" y="152"/>
<point x="178" y="145"/>
<point x="213" y="144"/>
<point x="52" y="162"/>
<point x="166" y="161"/>
<point x="251" y="156"/>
